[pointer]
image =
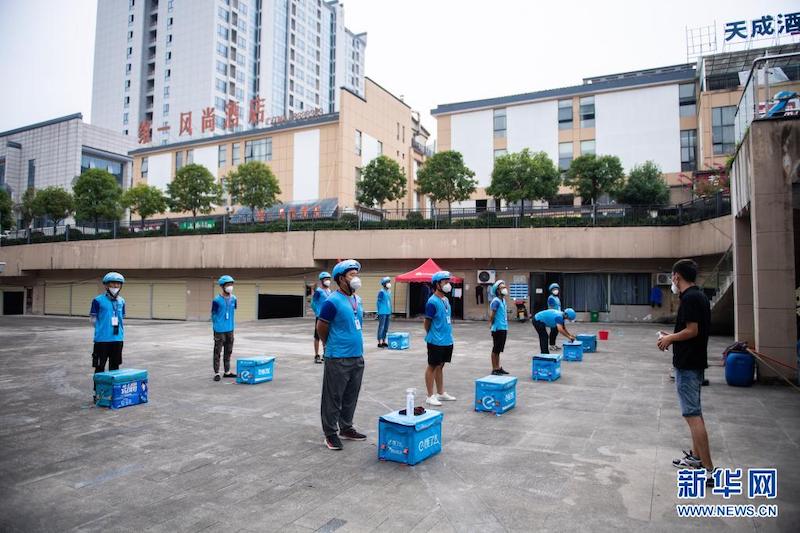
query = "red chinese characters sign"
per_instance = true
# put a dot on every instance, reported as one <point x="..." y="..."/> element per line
<point x="208" y="121"/>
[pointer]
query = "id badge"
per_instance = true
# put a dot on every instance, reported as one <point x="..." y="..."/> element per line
<point x="227" y="316"/>
<point x="115" y="321"/>
<point x="358" y="324"/>
<point x="448" y="319"/>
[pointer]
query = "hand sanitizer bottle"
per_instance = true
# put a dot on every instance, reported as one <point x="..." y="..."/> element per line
<point x="410" y="402"/>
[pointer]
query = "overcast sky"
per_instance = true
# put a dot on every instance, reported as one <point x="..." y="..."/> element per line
<point x="429" y="51"/>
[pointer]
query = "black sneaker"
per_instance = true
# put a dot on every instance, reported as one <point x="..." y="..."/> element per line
<point x="318" y="359"/>
<point x="333" y="442"/>
<point x="216" y="377"/>
<point x="705" y="383"/>
<point x="689" y="460"/>
<point x="352" y="434"/>
<point x="497" y="372"/>
<point x="228" y="375"/>
<point x="502" y="371"/>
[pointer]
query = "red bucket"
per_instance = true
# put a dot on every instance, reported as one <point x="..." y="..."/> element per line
<point x="603" y="335"/>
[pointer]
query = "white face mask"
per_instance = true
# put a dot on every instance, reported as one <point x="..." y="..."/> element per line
<point x="674" y="288"/>
<point x="113" y="290"/>
<point x="355" y="283"/>
<point x="388" y="286"/>
<point x="555" y="292"/>
<point x="447" y="287"/>
<point x="504" y="291"/>
<point x="326" y="283"/>
<point x="229" y="289"/>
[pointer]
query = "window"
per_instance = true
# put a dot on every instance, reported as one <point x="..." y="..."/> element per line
<point x="166" y="91"/>
<point x="358" y="142"/>
<point x="167" y="74"/>
<point x="219" y="103"/>
<point x="687" y="100"/>
<point x="630" y="289"/>
<point x="129" y="52"/>
<point x="500" y="122"/>
<point x="178" y="161"/>
<point x="222" y="50"/>
<point x="169" y="22"/>
<point x="221" y="85"/>
<point x="190" y="157"/>
<point x="587" y="112"/>
<point x="585" y="292"/>
<point x="144" y="167"/>
<point x="130" y="36"/>
<point x="380" y="148"/>
<point x="126" y="102"/>
<point x="398" y="131"/>
<point x="124" y="118"/>
<point x="500" y="152"/>
<point x="222" y="32"/>
<point x="404" y="134"/>
<point x="221" y="155"/>
<point x="127" y="85"/>
<point x="170" y="5"/>
<point x="169" y="39"/>
<point x="564" y="155"/>
<point x="31" y="173"/>
<point x="722" y="135"/>
<point x="169" y="56"/>
<point x="565" y="114"/>
<point x="223" y="14"/>
<point x="235" y="154"/>
<point x="127" y="68"/>
<point x="258" y="150"/>
<point x="222" y="68"/>
<point x="130" y="20"/>
<point x="2" y="171"/>
<point x="587" y="147"/>
<point x="166" y="109"/>
<point x="688" y="150"/>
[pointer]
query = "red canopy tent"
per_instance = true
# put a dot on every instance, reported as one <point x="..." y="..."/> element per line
<point x="424" y="273"/>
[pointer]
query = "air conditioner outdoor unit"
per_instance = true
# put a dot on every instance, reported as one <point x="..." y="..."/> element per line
<point x="663" y="278"/>
<point x="486" y="276"/>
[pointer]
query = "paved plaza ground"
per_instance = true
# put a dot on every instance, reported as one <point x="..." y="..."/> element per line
<point x="590" y="452"/>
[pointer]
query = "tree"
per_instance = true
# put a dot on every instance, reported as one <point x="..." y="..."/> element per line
<point x="194" y="189"/>
<point x="645" y="186"/>
<point x="97" y="196"/>
<point x="25" y="207"/>
<point x="55" y="203"/>
<point x="382" y="181"/>
<point x="591" y="176"/>
<point x="524" y="176"/>
<point x="145" y="200"/>
<point x="253" y="184"/>
<point x="445" y="178"/>
<point x="6" y="209"/>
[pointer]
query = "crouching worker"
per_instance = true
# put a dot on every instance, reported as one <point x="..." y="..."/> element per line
<point x="223" y="310"/>
<point x="552" y="318"/>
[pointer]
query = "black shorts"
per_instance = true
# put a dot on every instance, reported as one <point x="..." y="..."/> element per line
<point x="316" y="335"/>
<point x="439" y="355"/>
<point x="499" y="340"/>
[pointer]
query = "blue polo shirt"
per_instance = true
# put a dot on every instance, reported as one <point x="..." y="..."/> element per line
<point x="554" y="302"/>
<point x="500" y="321"/>
<point x="345" y="315"/>
<point x="223" y="311"/>
<point x="550" y="317"/>
<point x="441" y="332"/>
<point x="320" y="295"/>
<point x="384" y="303"/>
<point x="103" y="309"/>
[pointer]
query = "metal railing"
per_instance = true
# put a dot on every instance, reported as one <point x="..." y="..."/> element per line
<point x="720" y="277"/>
<point x="754" y="104"/>
<point x="601" y="215"/>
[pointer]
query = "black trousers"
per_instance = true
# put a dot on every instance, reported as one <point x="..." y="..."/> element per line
<point x="103" y="352"/>
<point x="541" y="329"/>
<point x="553" y="335"/>
<point x="341" y="384"/>
<point x="223" y="340"/>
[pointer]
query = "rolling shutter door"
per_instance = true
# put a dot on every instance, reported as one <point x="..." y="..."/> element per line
<point x="137" y="300"/>
<point x="169" y="301"/>
<point x="370" y="285"/>
<point x="56" y="299"/>
<point x="82" y="296"/>
<point x="284" y="287"/>
<point x="399" y="297"/>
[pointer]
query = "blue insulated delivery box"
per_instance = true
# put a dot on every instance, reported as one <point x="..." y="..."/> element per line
<point x="589" y="342"/>
<point x="120" y="388"/>
<point x="573" y="351"/>
<point x="255" y="370"/>
<point x="409" y="440"/>
<point x="546" y="367"/>
<point x="398" y="341"/>
<point x="495" y="394"/>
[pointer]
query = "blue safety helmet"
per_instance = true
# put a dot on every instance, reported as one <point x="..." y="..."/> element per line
<point x="570" y="312"/>
<point x="493" y="289"/>
<point x="553" y="286"/>
<point x="439" y="276"/>
<point x="224" y="279"/>
<point x="113" y="276"/>
<point x="385" y="280"/>
<point x="344" y="267"/>
<point x="324" y="275"/>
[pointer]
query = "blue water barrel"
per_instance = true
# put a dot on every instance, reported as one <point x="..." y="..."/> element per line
<point x="739" y="369"/>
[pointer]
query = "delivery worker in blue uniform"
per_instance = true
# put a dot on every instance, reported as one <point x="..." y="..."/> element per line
<point x="321" y="294"/>
<point x="223" y="313"/>
<point x="552" y="318"/>
<point x="384" y="309"/>
<point x="498" y="324"/>
<point x="554" y="302"/>
<point x="107" y="314"/>
<point x="339" y="328"/>
<point x="439" y="337"/>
